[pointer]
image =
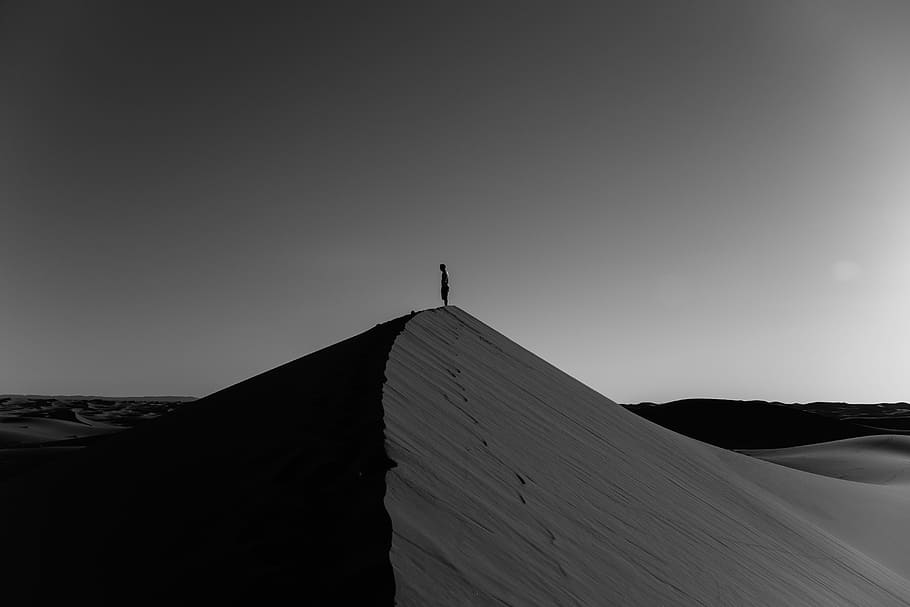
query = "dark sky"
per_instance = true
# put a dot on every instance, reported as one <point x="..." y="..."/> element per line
<point x="664" y="199"/>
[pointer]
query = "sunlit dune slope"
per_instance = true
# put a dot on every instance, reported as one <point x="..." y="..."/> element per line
<point x="880" y="460"/>
<point x="748" y="424"/>
<point x="517" y="485"/>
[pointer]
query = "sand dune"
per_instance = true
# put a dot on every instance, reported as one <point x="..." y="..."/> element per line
<point x="880" y="460"/>
<point x="896" y="425"/>
<point x="509" y="483"/>
<point x="18" y="431"/>
<point x="267" y="490"/>
<point x="870" y="518"/>
<point x="749" y="424"/>
<point x="858" y="489"/>
<point x="122" y="411"/>
<point x="518" y="485"/>
<point x="15" y="461"/>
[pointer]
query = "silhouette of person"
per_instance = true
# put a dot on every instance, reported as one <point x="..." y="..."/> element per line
<point x="445" y="285"/>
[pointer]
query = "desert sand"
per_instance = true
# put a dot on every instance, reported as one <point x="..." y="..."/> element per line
<point x="880" y="460"/>
<point x="24" y="430"/>
<point x="518" y="485"/>
<point x="36" y="429"/>
<point x="269" y="489"/>
<point x="433" y="461"/>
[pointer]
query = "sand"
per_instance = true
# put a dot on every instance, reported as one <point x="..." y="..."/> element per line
<point x="879" y="460"/>
<point x="518" y="485"/>
<point x="749" y="424"/>
<point x="433" y="461"/>
<point x="18" y="431"/>
<point x="267" y="491"/>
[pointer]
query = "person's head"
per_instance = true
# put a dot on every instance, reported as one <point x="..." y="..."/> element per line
<point x="442" y="267"/>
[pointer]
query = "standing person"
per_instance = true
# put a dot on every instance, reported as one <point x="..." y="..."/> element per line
<point x="445" y="285"/>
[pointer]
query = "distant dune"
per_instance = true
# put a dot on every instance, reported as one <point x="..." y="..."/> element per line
<point x="122" y="411"/>
<point x="749" y="424"/>
<point x="890" y="424"/>
<point x="82" y="397"/>
<point x="44" y="434"/>
<point x="16" y="431"/>
<point x="432" y="461"/>
<point x="879" y="460"/>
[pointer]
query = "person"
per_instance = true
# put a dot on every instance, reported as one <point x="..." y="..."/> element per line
<point x="445" y="285"/>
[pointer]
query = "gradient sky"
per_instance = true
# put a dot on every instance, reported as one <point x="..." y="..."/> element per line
<point x="663" y="199"/>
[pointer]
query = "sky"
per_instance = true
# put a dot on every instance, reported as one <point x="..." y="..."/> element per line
<point x="663" y="199"/>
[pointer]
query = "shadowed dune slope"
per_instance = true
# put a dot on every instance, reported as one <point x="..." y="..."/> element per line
<point x="19" y="431"/>
<point x="517" y="485"/>
<point x="269" y="489"/>
<point x="748" y="424"/>
<point x="895" y="425"/>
